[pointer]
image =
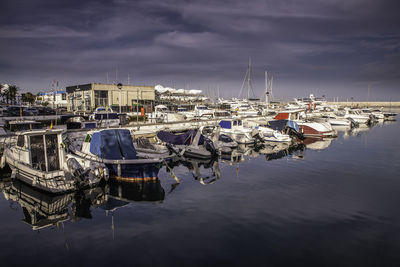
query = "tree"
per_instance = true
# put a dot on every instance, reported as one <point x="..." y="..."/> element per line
<point x="28" y="97"/>
<point x="12" y="91"/>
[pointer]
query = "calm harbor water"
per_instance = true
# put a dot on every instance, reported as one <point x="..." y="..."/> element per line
<point x="330" y="203"/>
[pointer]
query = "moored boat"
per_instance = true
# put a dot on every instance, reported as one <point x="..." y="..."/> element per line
<point x="38" y="159"/>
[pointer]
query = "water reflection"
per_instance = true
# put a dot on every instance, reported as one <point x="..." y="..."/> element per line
<point x="206" y="171"/>
<point x="41" y="210"/>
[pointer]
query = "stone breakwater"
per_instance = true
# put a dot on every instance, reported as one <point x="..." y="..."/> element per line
<point x="367" y="104"/>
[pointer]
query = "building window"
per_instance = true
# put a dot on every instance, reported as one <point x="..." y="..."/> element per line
<point x="100" y="98"/>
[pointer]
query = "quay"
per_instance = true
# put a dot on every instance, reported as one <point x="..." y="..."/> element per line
<point x="365" y="104"/>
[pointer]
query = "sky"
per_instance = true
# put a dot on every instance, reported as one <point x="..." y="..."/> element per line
<point x="336" y="48"/>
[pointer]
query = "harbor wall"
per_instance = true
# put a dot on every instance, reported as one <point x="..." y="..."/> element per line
<point x="367" y="104"/>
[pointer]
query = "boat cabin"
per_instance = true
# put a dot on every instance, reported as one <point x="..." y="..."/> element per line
<point x="40" y="149"/>
<point x="231" y="124"/>
<point x="288" y="115"/>
<point x="22" y="125"/>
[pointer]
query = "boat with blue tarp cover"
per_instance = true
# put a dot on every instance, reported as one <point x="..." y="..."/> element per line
<point x="114" y="148"/>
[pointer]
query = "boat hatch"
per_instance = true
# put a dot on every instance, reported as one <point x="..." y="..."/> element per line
<point x="44" y="152"/>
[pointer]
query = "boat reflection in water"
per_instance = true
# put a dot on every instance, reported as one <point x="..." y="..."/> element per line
<point x="317" y="143"/>
<point x="280" y="150"/>
<point x="41" y="209"/>
<point x="199" y="168"/>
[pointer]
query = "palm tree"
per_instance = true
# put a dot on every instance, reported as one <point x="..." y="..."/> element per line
<point x="12" y="91"/>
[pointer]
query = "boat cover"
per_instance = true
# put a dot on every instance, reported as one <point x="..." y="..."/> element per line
<point x="113" y="144"/>
<point x="282" y="124"/>
<point x="179" y="139"/>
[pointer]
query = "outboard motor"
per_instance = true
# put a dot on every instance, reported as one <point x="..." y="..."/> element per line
<point x="292" y="132"/>
<point x="209" y="145"/>
<point x="353" y="123"/>
<point x="172" y="149"/>
<point x="76" y="169"/>
<point x="372" y="119"/>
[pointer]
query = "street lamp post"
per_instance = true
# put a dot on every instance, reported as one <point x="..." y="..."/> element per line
<point x="119" y="85"/>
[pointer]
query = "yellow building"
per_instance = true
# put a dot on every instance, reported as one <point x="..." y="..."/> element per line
<point x="87" y="97"/>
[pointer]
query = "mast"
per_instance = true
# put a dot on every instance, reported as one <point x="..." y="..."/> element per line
<point x="248" y="79"/>
<point x="266" y="87"/>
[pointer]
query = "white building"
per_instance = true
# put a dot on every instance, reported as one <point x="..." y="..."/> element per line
<point x="55" y="99"/>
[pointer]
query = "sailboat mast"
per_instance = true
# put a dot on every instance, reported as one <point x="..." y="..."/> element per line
<point x="248" y="79"/>
<point x="266" y="87"/>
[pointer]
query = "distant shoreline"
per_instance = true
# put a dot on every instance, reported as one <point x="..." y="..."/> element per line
<point x="366" y="104"/>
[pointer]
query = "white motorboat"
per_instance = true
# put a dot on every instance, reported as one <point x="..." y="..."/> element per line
<point x="235" y="129"/>
<point x="162" y="114"/>
<point x="191" y="144"/>
<point x="377" y="113"/>
<point x="38" y="159"/>
<point x="337" y="120"/>
<point x="222" y="142"/>
<point x="307" y="128"/>
<point x="268" y="134"/>
<point x="203" y="112"/>
<point x="105" y="117"/>
<point x="355" y="115"/>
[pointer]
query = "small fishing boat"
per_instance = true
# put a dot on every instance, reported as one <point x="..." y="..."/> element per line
<point x="38" y="159"/>
<point x="114" y="148"/>
<point x="191" y="144"/>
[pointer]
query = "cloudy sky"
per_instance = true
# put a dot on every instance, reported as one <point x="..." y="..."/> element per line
<point x="335" y="48"/>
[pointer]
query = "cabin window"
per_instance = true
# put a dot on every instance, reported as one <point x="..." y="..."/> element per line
<point x="235" y="123"/>
<point x="52" y="152"/>
<point x="239" y="123"/>
<point x="20" y="141"/>
<point x="37" y="152"/>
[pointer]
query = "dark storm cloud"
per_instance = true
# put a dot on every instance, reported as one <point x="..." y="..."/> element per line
<point x="338" y="47"/>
